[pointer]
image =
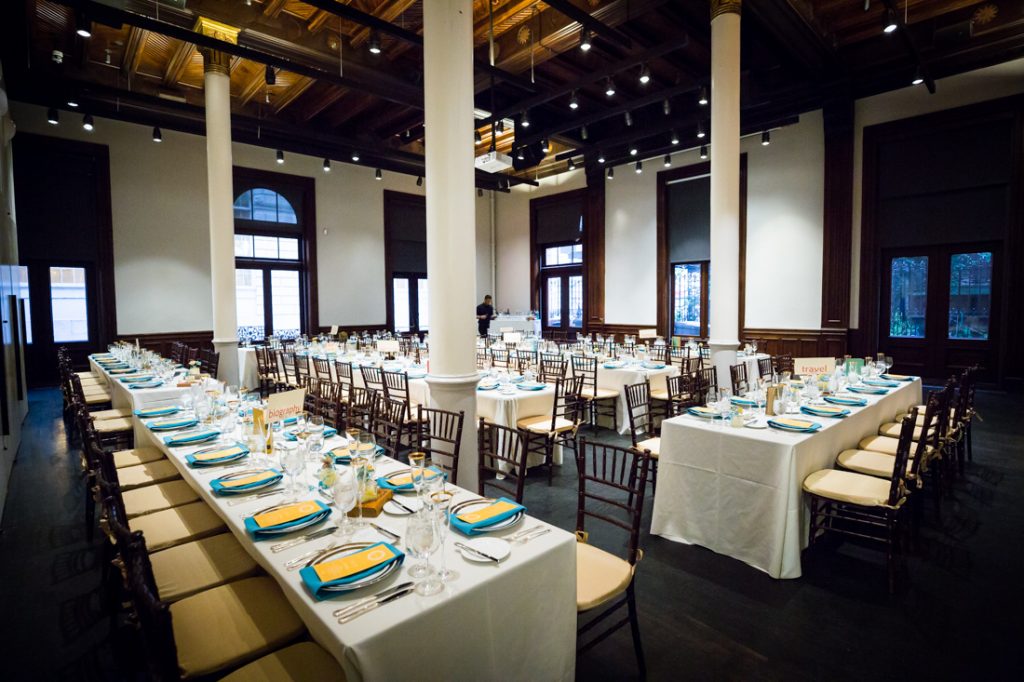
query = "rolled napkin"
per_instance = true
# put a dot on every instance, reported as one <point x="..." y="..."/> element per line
<point x="705" y="412"/>
<point x="285" y="516"/>
<point x="841" y="400"/>
<point x="232" y="452"/>
<point x="349" y="568"/>
<point x="234" y="485"/>
<point x="328" y="432"/>
<point x="869" y="390"/>
<point x="474" y="522"/>
<point x="155" y="383"/>
<point x="881" y="382"/>
<point x="171" y="424"/>
<point x="157" y="411"/>
<point x="403" y="482"/>
<point x="743" y="402"/>
<point x="897" y="377"/>
<point x="820" y="411"/>
<point x="191" y="438"/>
<point x="791" y="424"/>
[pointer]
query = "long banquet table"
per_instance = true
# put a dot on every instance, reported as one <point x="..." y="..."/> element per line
<point x="739" y="492"/>
<point x="516" y="621"/>
<point x="135" y="398"/>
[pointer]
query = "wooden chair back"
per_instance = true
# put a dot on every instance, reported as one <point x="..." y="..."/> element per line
<point x="502" y="451"/>
<point x="638" y="409"/>
<point x="439" y="433"/>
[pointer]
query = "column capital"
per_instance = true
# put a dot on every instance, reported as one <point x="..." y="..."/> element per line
<point x="719" y="7"/>
<point x="216" y="60"/>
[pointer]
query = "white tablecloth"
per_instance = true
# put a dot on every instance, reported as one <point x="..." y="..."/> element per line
<point x="512" y="622"/>
<point x="618" y="379"/>
<point x="136" y="398"/>
<point x="739" y="491"/>
<point x="753" y="371"/>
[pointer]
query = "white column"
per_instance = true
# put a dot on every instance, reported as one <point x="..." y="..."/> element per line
<point x="725" y="185"/>
<point x="451" y="215"/>
<point x="217" y="84"/>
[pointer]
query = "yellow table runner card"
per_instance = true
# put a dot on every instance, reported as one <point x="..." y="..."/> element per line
<point x="219" y="454"/>
<point x="292" y="512"/>
<point x="354" y="563"/>
<point x="406" y="479"/>
<point x="826" y="410"/>
<point x="490" y="511"/>
<point x="795" y="423"/>
<point x="248" y="480"/>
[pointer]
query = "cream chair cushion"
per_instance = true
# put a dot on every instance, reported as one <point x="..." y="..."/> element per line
<point x="884" y="444"/>
<point x="157" y="497"/>
<point x="659" y="393"/>
<point x="186" y="569"/>
<point x="177" y="525"/>
<point x="542" y="424"/>
<point x="892" y="430"/>
<point x="652" y="444"/>
<point x="601" y="394"/>
<point x="117" y="412"/>
<point x="867" y="462"/>
<point x="847" y="486"/>
<point x="96" y="398"/>
<point x="303" y="662"/>
<point x="136" y="456"/>
<point x="600" y="576"/>
<point x="231" y="624"/>
<point x="146" y="474"/>
<point x="116" y="425"/>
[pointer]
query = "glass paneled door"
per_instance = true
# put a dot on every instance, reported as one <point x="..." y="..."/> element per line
<point x="61" y="311"/>
<point x="410" y="305"/>
<point x="939" y="312"/>
<point x="562" y="305"/>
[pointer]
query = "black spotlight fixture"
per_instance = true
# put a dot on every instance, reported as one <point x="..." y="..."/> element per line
<point x="703" y="151"/>
<point x="574" y="101"/>
<point x="158" y="136"/>
<point x="668" y="161"/>
<point x="52" y="117"/>
<point x="73" y="102"/>
<point x="700" y="130"/>
<point x="585" y="43"/>
<point x="280" y="156"/>
<point x="477" y="137"/>
<point x="639" y="167"/>
<point x="766" y="138"/>
<point x="520" y="155"/>
<point x="609" y="87"/>
<point x="918" y="78"/>
<point x="545" y="146"/>
<point x="645" y="74"/>
<point x="419" y="181"/>
<point x="83" y="25"/>
<point x="355" y="156"/>
<point x="633" y="150"/>
<point x="572" y="164"/>
<point x="524" y="120"/>
<point x="889" y="24"/>
<point x="501" y="126"/>
<point x="327" y="165"/>
<point x="269" y="75"/>
<point x="666" y="106"/>
<point x="373" y="44"/>
<point x="702" y="98"/>
<point x="600" y="156"/>
<point x="378" y="175"/>
<point x="675" y="137"/>
<point x="584" y="133"/>
<point x="611" y="173"/>
<point x="629" y="119"/>
<point x="87" y="122"/>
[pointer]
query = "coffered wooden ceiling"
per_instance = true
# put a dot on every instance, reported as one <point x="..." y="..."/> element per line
<point x="331" y="95"/>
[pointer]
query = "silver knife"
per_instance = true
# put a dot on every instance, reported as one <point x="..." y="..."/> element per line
<point x="395" y="537"/>
<point x="281" y="546"/>
<point x="477" y="552"/>
<point x="297" y="562"/>
<point x="242" y="499"/>
<point x="372" y="605"/>
<point x="523" y="539"/>
<point x="383" y="594"/>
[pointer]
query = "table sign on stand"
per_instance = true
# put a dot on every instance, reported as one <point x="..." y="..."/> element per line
<point x="813" y="367"/>
<point x="281" y="406"/>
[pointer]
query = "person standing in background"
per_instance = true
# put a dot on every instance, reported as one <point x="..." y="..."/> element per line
<point x="484" y="315"/>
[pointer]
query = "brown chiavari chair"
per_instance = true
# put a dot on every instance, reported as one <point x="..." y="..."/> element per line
<point x="707" y="379"/>
<point x="388" y="424"/>
<point x="322" y="369"/>
<point x="311" y="401"/>
<point x="499" y="358"/>
<point x="286" y="369"/>
<point x="523" y="360"/>
<point x="357" y="409"/>
<point x="266" y="373"/>
<point x="396" y="387"/>
<point x="612" y="483"/>
<point x="117" y="432"/>
<point x="502" y="459"/>
<point x="373" y="379"/>
<point x="552" y="368"/>
<point x="301" y="369"/>
<point x="864" y="506"/>
<point x="782" y="363"/>
<point x="193" y="354"/>
<point x="330" y="399"/>
<point x="288" y="345"/>
<point x="481" y="359"/>
<point x="659" y="354"/>
<point x="559" y="428"/>
<point x="602" y="402"/>
<point x="738" y="377"/>
<point x="439" y="434"/>
<point x="642" y="430"/>
<point x="764" y="367"/>
<point x="343" y="373"/>
<point x="692" y="364"/>
<point x="211" y="362"/>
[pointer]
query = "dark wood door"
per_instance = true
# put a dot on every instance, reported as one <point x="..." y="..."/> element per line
<point x="562" y="301"/>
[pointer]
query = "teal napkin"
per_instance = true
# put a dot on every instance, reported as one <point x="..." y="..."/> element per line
<point x="384" y="483"/>
<point x="191" y="438"/>
<point x="257" y="531"/>
<point x="478" y="527"/>
<point x="317" y="586"/>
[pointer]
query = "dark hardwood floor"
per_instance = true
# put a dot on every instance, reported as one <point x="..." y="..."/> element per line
<point x="702" y="616"/>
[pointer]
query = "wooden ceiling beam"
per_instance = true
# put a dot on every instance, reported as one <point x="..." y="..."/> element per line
<point x="388" y="11"/>
<point x="253" y="87"/>
<point x="282" y="101"/>
<point x="272" y="8"/>
<point x="589" y="22"/>
<point x="329" y="99"/>
<point x="509" y="16"/>
<point x="178" y="61"/>
<point x="134" y="47"/>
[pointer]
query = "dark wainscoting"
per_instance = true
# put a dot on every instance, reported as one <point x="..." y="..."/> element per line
<point x="161" y="343"/>
<point x="354" y="328"/>
<point x="799" y="343"/>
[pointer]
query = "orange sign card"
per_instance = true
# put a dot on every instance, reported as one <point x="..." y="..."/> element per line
<point x="354" y="563"/>
<point x="218" y="454"/>
<point x="490" y="511"/>
<point x="248" y="480"/>
<point x="287" y="514"/>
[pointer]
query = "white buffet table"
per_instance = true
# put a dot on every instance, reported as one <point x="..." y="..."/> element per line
<point x="739" y="491"/>
<point x="516" y="621"/>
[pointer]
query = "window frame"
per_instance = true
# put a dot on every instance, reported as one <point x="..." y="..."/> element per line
<point x="705" y="303"/>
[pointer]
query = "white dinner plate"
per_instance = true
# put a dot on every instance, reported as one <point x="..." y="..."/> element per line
<point x="756" y="424"/>
<point x="495" y="547"/>
<point x="413" y="503"/>
<point x="313" y="520"/>
<point x="352" y="548"/>
<point x="470" y="505"/>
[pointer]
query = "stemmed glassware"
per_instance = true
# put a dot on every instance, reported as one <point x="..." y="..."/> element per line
<point x="441" y="502"/>
<point x="343" y="493"/>
<point x="422" y="539"/>
<point x="417" y="468"/>
<point x="293" y="461"/>
<point x="361" y="467"/>
<point x="315" y="440"/>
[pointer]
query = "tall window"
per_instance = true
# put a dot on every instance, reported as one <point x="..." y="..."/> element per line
<point x="270" y="287"/>
<point x="970" y="295"/>
<point x="908" y="302"/>
<point x="690" y="299"/>
<point x="69" y="304"/>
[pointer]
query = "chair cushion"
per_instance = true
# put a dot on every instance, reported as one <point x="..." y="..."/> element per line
<point x="192" y="567"/>
<point x="652" y="444"/>
<point x="849" y="487"/>
<point x="86" y="375"/>
<point x="884" y="444"/>
<point x="157" y="497"/>
<point x="303" y="662"/>
<point x="146" y="474"/>
<point x="601" y="394"/>
<point x="177" y="525"/>
<point x="136" y="456"/>
<point x="96" y="398"/>
<point x="867" y="462"/>
<point x="600" y="576"/>
<point x="116" y="413"/>
<point x="116" y="425"/>
<point x="231" y="624"/>
<point x="659" y="394"/>
<point x="892" y="430"/>
<point x="542" y="424"/>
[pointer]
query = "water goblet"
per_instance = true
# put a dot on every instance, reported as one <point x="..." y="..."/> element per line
<point x="421" y="541"/>
<point x="361" y="467"/>
<point x="293" y="461"/>
<point x="441" y="502"/>
<point x="417" y="464"/>
<point x="343" y="497"/>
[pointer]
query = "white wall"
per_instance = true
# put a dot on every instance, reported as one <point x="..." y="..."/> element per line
<point x="160" y="218"/>
<point x="993" y="82"/>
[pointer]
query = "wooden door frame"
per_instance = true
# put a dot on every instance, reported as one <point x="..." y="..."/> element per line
<point x="535" y="269"/>
<point x="390" y="197"/>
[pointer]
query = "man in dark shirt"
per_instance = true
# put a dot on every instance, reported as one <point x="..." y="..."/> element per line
<point x="484" y="315"/>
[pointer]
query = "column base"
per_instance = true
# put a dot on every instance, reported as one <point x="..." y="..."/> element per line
<point x="458" y="394"/>
<point x="723" y="356"/>
<point x="227" y="370"/>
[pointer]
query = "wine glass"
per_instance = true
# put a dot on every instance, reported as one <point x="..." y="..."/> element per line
<point x="888" y="363"/>
<point x="343" y="494"/>
<point x="421" y="541"/>
<point x="368" y="445"/>
<point x="293" y="461"/>
<point x="417" y="465"/>
<point x="441" y="502"/>
<point x="361" y="467"/>
<point x="315" y="440"/>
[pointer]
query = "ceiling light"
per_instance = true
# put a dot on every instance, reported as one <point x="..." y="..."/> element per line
<point x="83" y="25"/>
<point x="633" y="150"/>
<point x="666" y="106"/>
<point x="600" y="157"/>
<point x="327" y="165"/>
<point x="584" y="133"/>
<point x="611" y="173"/>
<point x="378" y="175"/>
<point x="72" y="102"/>
<point x="544" y="146"/>
<point x="87" y="122"/>
<point x="639" y="167"/>
<point x="373" y="44"/>
<point x="629" y="119"/>
<point x="585" y="43"/>
<point x="645" y="74"/>
<point x="668" y="160"/>
<point x="675" y="137"/>
<point x="918" y="78"/>
<point x="52" y="117"/>
<point x="501" y="126"/>
<point x="700" y="130"/>
<point x="157" y="135"/>
<point x="419" y="181"/>
<point x="609" y="87"/>
<point x="280" y="156"/>
<point x="574" y="101"/>
<point x="269" y="75"/>
<point x="702" y="99"/>
<point x="355" y="157"/>
<point x="520" y="154"/>
<point x="703" y="151"/>
<point x="572" y="165"/>
<point x="890" y="22"/>
<point x="766" y="138"/>
<point x="524" y="120"/>
<point x="477" y="137"/>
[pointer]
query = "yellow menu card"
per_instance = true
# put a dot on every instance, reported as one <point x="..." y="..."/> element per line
<point x="354" y="563"/>
<point x="490" y="511"/>
<point x="287" y="514"/>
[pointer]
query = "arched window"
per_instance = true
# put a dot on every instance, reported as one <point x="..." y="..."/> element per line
<point x="264" y="205"/>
